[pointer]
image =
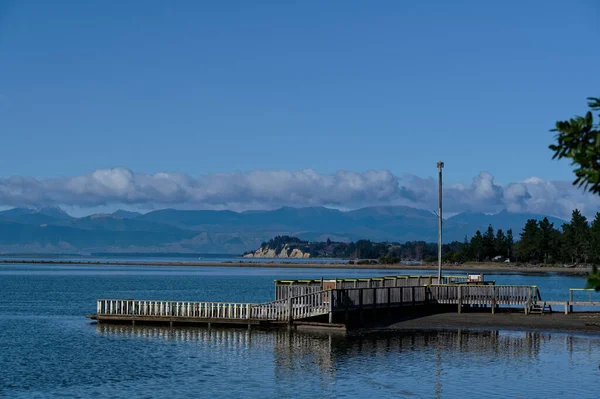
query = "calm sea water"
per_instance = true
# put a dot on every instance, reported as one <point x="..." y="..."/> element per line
<point x="48" y="348"/>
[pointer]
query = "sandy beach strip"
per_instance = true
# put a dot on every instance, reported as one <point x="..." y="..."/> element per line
<point x="466" y="268"/>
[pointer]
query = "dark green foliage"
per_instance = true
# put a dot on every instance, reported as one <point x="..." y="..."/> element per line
<point x="366" y="262"/>
<point x="477" y="246"/>
<point x="528" y="248"/>
<point x="576" y="238"/>
<point x="595" y="239"/>
<point x="365" y="249"/>
<point x="545" y="239"/>
<point x="466" y="253"/>
<point x="593" y="280"/>
<point x="510" y="244"/>
<point x="500" y="244"/>
<point x="388" y="260"/>
<point x="488" y="244"/>
<point x="579" y="140"/>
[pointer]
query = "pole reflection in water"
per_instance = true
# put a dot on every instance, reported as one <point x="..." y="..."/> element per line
<point x="441" y="363"/>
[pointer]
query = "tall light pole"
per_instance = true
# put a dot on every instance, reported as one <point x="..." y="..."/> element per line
<point x="440" y="166"/>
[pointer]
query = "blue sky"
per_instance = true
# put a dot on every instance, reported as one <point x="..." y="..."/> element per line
<point x="195" y="88"/>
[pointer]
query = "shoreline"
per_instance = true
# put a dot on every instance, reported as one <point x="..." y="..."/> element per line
<point x="575" y="271"/>
<point x="582" y="322"/>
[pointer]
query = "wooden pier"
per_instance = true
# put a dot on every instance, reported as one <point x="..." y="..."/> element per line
<point x="318" y="306"/>
<point x="340" y="302"/>
<point x="591" y="299"/>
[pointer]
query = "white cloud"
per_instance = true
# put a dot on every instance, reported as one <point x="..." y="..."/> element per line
<point x="266" y="189"/>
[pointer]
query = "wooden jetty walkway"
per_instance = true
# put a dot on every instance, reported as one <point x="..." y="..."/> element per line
<point x="592" y="299"/>
<point x="336" y="303"/>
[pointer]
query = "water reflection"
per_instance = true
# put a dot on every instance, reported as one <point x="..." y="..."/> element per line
<point x="474" y="342"/>
<point x="429" y="363"/>
<point x="289" y="348"/>
<point x="327" y="346"/>
<point x="292" y="352"/>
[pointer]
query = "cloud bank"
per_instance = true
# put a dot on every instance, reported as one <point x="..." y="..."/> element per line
<point x="267" y="189"/>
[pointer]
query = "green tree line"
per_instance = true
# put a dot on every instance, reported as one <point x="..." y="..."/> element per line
<point x="539" y="242"/>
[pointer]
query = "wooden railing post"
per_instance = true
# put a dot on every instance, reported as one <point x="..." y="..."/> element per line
<point x="347" y="306"/>
<point x="331" y="307"/>
<point x="493" y="299"/>
<point x="360" y="304"/>
<point x="289" y="309"/>
<point x="374" y="303"/>
<point x="571" y="301"/>
<point x="459" y="297"/>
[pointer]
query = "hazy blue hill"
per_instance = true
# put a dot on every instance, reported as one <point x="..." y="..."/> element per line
<point x="70" y="237"/>
<point x="301" y="219"/>
<point x="387" y="212"/>
<point x="55" y="212"/>
<point x="169" y="230"/>
<point x="125" y="214"/>
<point x="397" y="223"/>
<point x="47" y="215"/>
<point x="17" y="212"/>
<point x="109" y="222"/>
<point x="29" y="218"/>
<point x="190" y="218"/>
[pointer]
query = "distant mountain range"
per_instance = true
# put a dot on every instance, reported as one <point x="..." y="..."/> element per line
<point x="51" y="230"/>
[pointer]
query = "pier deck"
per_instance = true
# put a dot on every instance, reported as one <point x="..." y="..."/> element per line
<point x="332" y="302"/>
<point x="320" y="304"/>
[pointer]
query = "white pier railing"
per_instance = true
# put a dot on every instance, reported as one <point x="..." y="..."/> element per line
<point x="206" y="310"/>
